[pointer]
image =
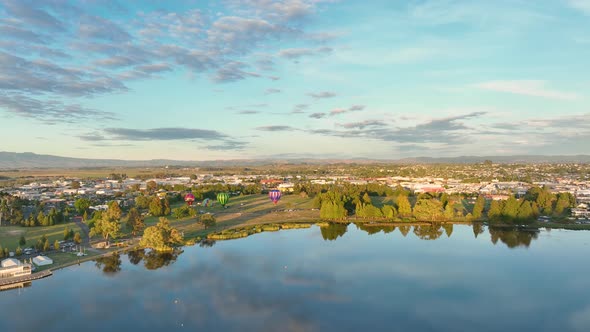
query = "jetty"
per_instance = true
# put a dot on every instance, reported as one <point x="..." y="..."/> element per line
<point x="26" y="278"/>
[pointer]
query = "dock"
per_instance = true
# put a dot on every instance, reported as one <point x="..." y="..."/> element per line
<point x="23" y="279"/>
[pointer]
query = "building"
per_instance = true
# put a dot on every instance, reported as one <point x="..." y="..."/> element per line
<point x="11" y="267"/>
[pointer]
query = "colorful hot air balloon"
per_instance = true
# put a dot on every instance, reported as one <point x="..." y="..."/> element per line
<point x="222" y="198"/>
<point x="189" y="199"/>
<point x="274" y="195"/>
<point x="205" y="202"/>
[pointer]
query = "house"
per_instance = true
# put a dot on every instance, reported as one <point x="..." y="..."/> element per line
<point x="12" y="267"/>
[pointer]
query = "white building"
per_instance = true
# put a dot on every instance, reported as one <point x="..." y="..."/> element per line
<point x="12" y="267"/>
<point x="42" y="260"/>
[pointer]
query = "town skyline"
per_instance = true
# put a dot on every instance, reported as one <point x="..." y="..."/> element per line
<point x="308" y="79"/>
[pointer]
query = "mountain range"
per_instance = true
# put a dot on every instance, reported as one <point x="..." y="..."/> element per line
<point x="28" y="160"/>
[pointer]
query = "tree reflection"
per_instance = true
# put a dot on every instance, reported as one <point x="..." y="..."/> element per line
<point x="206" y="243"/>
<point x="153" y="260"/>
<point x="405" y="229"/>
<point x="370" y="229"/>
<point x="109" y="264"/>
<point x="448" y="227"/>
<point x="478" y="228"/>
<point x="513" y="237"/>
<point x="333" y="231"/>
<point x="428" y="232"/>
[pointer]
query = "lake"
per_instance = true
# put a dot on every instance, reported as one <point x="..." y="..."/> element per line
<point x="336" y="278"/>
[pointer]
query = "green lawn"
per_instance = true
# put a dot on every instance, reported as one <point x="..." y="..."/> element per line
<point x="10" y="235"/>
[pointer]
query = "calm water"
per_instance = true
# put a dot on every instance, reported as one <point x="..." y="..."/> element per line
<point x="332" y="279"/>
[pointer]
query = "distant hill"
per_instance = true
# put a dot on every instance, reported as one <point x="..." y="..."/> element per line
<point x="27" y="160"/>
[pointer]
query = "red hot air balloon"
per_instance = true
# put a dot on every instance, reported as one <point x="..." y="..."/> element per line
<point x="274" y="195"/>
<point x="189" y="199"/>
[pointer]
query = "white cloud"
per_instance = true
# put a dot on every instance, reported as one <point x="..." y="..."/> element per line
<point x="536" y="88"/>
<point x="582" y="5"/>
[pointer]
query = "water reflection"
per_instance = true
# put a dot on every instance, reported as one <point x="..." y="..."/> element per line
<point x="153" y="260"/>
<point x="514" y="237"/>
<point x="333" y="231"/>
<point x="109" y="264"/>
<point x="511" y="237"/>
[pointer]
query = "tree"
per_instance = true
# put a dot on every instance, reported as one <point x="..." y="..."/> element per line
<point x="56" y="245"/>
<point x="151" y="186"/>
<point x="135" y="221"/>
<point x="563" y="202"/>
<point x="478" y="207"/>
<point x="46" y="245"/>
<point x="161" y="237"/>
<point x="449" y="212"/>
<point x="156" y="207"/>
<point x="166" y="207"/>
<point x="75" y="184"/>
<point x="85" y="216"/>
<point x="19" y="251"/>
<point x="208" y="220"/>
<point x="495" y="212"/>
<point x="66" y="233"/>
<point x="510" y="209"/>
<point x="404" y="208"/>
<point x="108" y="225"/>
<point x="22" y="240"/>
<point x="428" y="209"/>
<point x="525" y="211"/>
<point x="77" y="238"/>
<point x="389" y="211"/>
<point x="82" y="205"/>
<point x="142" y="202"/>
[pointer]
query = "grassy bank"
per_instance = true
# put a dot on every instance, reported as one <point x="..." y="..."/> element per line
<point x="10" y="235"/>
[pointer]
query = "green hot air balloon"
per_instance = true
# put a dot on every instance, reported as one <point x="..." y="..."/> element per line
<point x="222" y="198"/>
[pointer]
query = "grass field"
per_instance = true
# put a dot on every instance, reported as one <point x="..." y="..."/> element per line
<point x="10" y="235"/>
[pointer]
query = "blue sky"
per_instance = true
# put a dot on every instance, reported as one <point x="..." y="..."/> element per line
<point x="231" y="79"/>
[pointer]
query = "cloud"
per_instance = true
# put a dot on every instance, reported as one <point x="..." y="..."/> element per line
<point x="37" y="17"/>
<point x="322" y="94"/>
<point x="317" y="115"/>
<point x="231" y="72"/>
<point x="99" y="28"/>
<point x="535" y="88"/>
<point x="227" y="145"/>
<point x="363" y="124"/>
<point x="353" y="108"/>
<point x="270" y="91"/>
<point x="248" y="112"/>
<point x="581" y="5"/>
<point x="50" y="111"/>
<point x="296" y="53"/>
<point x="275" y="128"/>
<point x="299" y="108"/>
<point x="163" y="134"/>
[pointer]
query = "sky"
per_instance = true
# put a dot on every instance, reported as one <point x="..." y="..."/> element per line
<point x="241" y="79"/>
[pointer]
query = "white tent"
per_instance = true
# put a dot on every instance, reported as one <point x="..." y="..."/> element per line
<point x="10" y="262"/>
<point x="42" y="260"/>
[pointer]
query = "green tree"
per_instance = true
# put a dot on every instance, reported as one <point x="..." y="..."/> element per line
<point x="161" y="237"/>
<point x="495" y="212"/>
<point x="478" y="207"/>
<point x="135" y="221"/>
<point x="510" y="209"/>
<point x="66" y="233"/>
<point x="56" y="245"/>
<point x="19" y="251"/>
<point x="75" y="184"/>
<point x="77" y="238"/>
<point x="449" y="212"/>
<point x="46" y="245"/>
<point x="389" y="211"/>
<point x="85" y="216"/>
<point x="404" y="208"/>
<point x="428" y="209"/>
<point x="525" y="211"/>
<point x="208" y="220"/>
<point x="151" y="186"/>
<point x="563" y="202"/>
<point x="108" y="225"/>
<point x="82" y="205"/>
<point x="156" y="207"/>
<point x="166" y="207"/>
<point x="22" y="240"/>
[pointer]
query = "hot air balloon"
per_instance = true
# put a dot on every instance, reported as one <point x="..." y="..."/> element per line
<point x="205" y="202"/>
<point x="222" y="198"/>
<point x="189" y="199"/>
<point x="274" y="195"/>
